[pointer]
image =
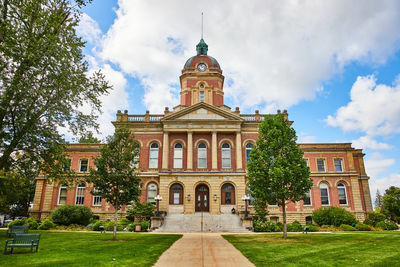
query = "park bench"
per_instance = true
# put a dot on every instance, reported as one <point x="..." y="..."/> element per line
<point x="306" y="229"/>
<point x="23" y="241"/>
<point x="17" y="229"/>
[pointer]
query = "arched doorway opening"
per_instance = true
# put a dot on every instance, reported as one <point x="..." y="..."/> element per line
<point x="202" y="198"/>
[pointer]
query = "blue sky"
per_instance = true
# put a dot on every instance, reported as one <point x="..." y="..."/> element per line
<point x="334" y="65"/>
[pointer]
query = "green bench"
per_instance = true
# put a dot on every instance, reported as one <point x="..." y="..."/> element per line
<point x="17" y="229"/>
<point x="23" y="241"/>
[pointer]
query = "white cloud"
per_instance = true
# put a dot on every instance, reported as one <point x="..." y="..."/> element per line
<point x="273" y="53"/>
<point x="303" y="138"/>
<point x="368" y="142"/>
<point x="373" y="108"/>
<point x="376" y="164"/>
<point x="89" y="29"/>
<point x="383" y="183"/>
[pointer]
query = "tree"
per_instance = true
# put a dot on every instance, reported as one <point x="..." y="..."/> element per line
<point x="44" y="79"/>
<point x="115" y="178"/>
<point x="391" y="203"/>
<point x="89" y="139"/>
<point x="378" y="200"/>
<point x="277" y="171"/>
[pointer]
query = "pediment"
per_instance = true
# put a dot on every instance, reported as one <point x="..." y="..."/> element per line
<point x="202" y="111"/>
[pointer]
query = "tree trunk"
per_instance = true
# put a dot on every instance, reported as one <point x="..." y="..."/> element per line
<point x="115" y="225"/>
<point x="284" y="219"/>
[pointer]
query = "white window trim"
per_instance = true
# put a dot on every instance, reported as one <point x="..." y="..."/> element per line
<point x="201" y="96"/>
<point x="324" y="165"/>
<point x="309" y="205"/>
<point x="198" y="157"/>
<point x="150" y="158"/>
<point x="97" y="205"/>
<point x="76" y="194"/>
<point x="147" y="194"/>
<point x="176" y="159"/>
<point x="80" y="165"/>
<point x="222" y="157"/>
<point x="327" y="190"/>
<point x="345" y="194"/>
<point x="59" y="194"/>
<point x="341" y="164"/>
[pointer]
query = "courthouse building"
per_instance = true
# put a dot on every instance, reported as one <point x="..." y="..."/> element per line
<point x="194" y="156"/>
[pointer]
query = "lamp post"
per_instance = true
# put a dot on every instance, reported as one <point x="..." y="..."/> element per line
<point x="245" y="198"/>
<point x="158" y="198"/>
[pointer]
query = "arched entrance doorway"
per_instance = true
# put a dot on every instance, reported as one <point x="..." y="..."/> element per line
<point x="202" y="198"/>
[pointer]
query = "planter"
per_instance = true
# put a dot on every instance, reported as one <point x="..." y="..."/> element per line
<point x="138" y="227"/>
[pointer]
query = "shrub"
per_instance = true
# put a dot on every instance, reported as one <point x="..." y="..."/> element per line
<point x="279" y="227"/>
<point x="46" y="225"/>
<point x="141" y="211"/>
<point x="145" y="225"/>
<point x="387" y="225"/>
<point x="124" y="222"/>
<point x="294" y="227"/>
<point x="97" y="224"/>
<point x="333" y="216"/>
<point x="32" y="223"/>
<point x="374" y="218"/>
<point x="109" y="226"/>
<point x="17" y="222"/>
<point x="363" y="227"/>
<point x="312" y="228"/>
<point x="328" y="228"/>
<point x="68" y="214"/>
<point x="266" y="226"/>
<point x="346" y="227"/>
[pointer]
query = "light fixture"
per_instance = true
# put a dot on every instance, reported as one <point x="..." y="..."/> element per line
<point x="215" y="197"/>
<point x="188" y="197"/>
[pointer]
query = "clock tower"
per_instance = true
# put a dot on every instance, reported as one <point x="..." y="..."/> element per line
<point x="202" y="79"/>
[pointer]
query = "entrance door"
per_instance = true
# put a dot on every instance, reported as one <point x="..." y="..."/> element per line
<point x="202" y="198"/>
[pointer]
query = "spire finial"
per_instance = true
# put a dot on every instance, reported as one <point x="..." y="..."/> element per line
<point x="201" y="25"/>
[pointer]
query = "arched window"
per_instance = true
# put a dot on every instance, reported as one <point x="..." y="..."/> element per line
<point x="202" y="156"/>
<point x="153" y="162"/>
<point x="226" y="156"/>
<point x="309" y="220"/>
<point x="324" y="189"/>
<point x="176" y="194"/>
<point x="62" y="195"/>
<point x="249" y="147"/>
<point x="342" y="194"/>
<point x="178" y="155"/>
<point x="151" y="193"/>
<point x="80" y="194"/>
<point x="228" y="194"/>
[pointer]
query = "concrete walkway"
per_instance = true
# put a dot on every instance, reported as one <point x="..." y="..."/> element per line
<point x="202" y="249"/>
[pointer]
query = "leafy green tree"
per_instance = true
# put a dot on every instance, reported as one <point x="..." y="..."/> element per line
<point x="115" y="178"/>
<point x="44" y="80"/>
<point x="391" y="203"/>
<point x="141" y="211"/>
<point x="277" y="171"/>
<point x="89" y="139"/>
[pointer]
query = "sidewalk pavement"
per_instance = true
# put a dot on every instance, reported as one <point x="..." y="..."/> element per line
<point x="202" y="249"/>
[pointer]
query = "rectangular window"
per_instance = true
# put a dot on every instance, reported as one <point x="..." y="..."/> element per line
<point x="153" y="164"/>
<point x="80" y="195"/>
<point x="96" y="200"/>
<point x="324" y="196"/>
<point x="83" y="166"/>
<point x="178" y="158"/>
<point x="307" y="163"/>
<point x="338" y="165"/>
<point x="321" y="165"/>
<point x="226" y="158"/>
<point x="62" y="196"/>
<point x="307" y="199"/>
<point x="201" y="96"/>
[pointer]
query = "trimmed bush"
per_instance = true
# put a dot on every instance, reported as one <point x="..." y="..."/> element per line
<point x="363" y="227"/>
<point x="32" y="223"/>
<point x="97" y="224"/>
<point x="46" y="225"/>
<point x="68" y="214"/>
<point x="17" y="222"/>
<point x="333" y="216"/>
<point x="109" y="226"/>
<point x="312" y="228"/>
<point x="374" y="218"/>
<point x="145" y="225"/>
<point x="294" y="227"/>
<point x="346" y="227"/>
<point x="124" y="222"/>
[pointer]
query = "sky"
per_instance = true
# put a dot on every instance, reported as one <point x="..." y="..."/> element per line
<point x="334" y="64"/>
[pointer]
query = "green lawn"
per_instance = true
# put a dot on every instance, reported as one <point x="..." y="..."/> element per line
<point x="320" y="249"/>
<point x="90" y="249"/>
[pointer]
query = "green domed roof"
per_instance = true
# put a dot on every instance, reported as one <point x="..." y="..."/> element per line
<point x="202" y="49"/>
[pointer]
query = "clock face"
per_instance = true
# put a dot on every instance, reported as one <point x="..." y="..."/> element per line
<point x="201" y="67"/>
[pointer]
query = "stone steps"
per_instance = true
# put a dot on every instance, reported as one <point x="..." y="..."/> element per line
<point x="202" y="222"/>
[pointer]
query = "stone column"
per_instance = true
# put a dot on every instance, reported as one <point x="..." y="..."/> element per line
<point x="214" y="154"/>
<point x="239" y="160"/>
<point x="165" y="151"/>
<point x="190" y="150"/>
